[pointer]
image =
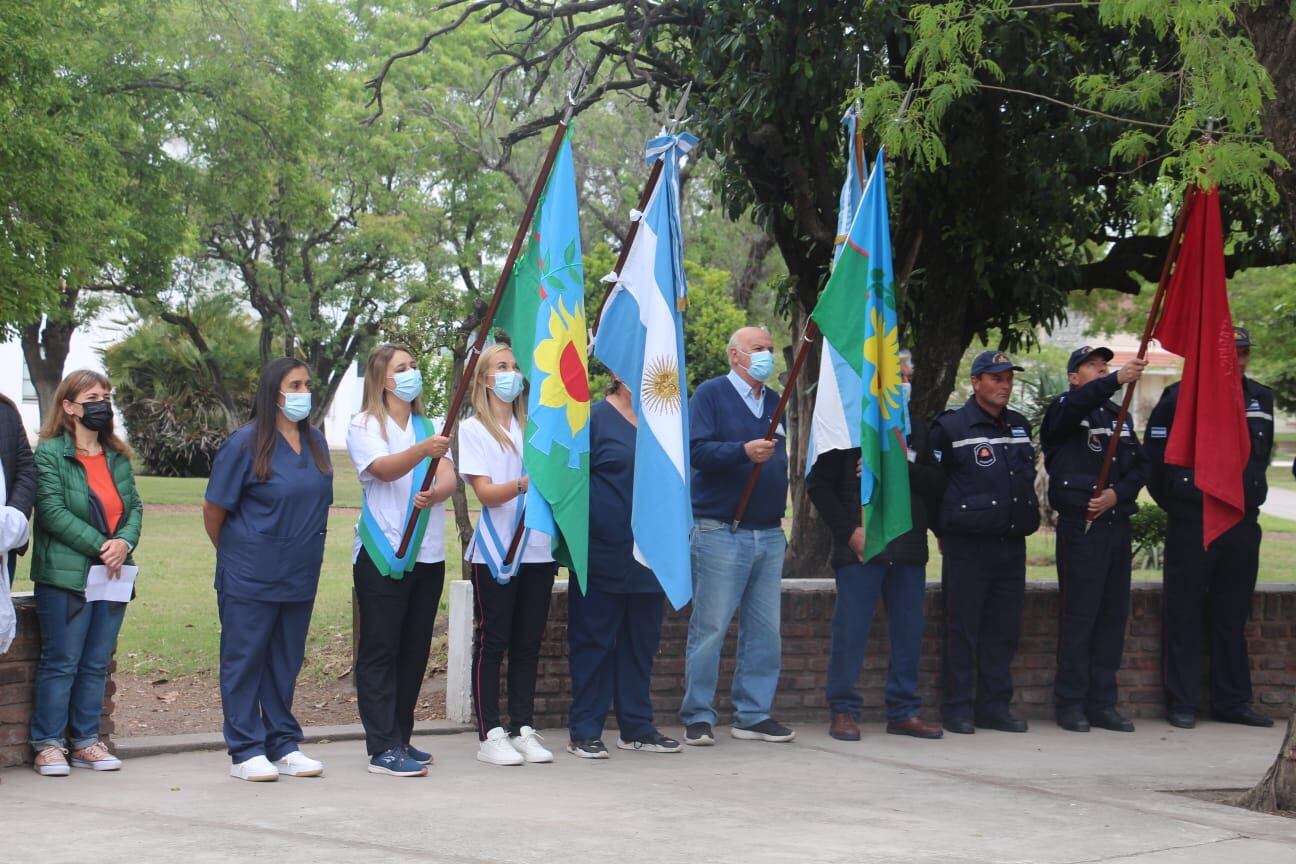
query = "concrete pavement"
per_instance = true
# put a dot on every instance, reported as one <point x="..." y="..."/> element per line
<point x="1047" y="796"/>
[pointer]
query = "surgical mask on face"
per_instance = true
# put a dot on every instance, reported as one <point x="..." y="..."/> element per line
<point x="508" y="385"/>
<point x="762" y="364"/>
<point x="297" y="406"/>
<point x="409" y="384"/>
<point x="96" y="415"/>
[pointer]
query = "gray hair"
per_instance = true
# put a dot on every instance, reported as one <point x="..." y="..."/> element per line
<point x="733" y="339"/>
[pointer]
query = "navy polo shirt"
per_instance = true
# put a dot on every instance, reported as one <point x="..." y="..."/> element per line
<point x="272" y="542"/>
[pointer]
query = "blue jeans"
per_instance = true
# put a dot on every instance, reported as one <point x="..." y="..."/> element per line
<point x="734" y="571"/>
<point x="73" y="668"/>
<point x="902" y="588"/>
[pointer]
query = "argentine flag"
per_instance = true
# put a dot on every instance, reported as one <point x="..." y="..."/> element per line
<point x="835" y="423"/>
<point x="641" y="338"/>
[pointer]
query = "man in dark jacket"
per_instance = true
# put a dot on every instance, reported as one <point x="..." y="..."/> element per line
<point x="19" y="468"/>
<point x="1093" y="536"/>
<point x="898" y="574"/>
<point x="1220" y="578"/>
<point x="987" y="509"/>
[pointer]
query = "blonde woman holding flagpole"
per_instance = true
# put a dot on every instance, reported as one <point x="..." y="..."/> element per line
<point x="511" y="603"/>
<point x="393" y="446"/>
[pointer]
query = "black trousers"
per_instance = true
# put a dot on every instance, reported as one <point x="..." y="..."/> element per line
<point x="396" y="621"/>
<point x="1208" y="588"/>
<point x="508" y="619"/>
<point x="1094" y="581"/>
<point x="983" y="583"/>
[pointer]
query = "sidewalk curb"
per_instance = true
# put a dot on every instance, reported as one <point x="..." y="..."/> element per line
<point x="160" y="745"/>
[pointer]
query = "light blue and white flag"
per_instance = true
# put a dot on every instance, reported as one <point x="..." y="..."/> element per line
<point x="641" y="339"/>
<point x="840" y="394"/>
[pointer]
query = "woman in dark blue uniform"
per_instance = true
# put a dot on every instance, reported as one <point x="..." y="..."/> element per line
<point x="613" y="629"/>
<point x="266" y="510"/>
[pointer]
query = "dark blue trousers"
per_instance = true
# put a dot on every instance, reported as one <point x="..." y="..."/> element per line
<point x="902" y="587"/>
<point x="1094" y="581"/>
<point x="262" y="647"/>
<point x="611" y="641"/>
<point x="983" y="585"/>
<point x="1208" y="590"/>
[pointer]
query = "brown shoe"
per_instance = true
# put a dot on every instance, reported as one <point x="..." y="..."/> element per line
<point x="914" y="726"/>
<point x="843" y="728"/>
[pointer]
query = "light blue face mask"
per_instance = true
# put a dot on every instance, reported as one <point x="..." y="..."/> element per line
<point x="409" y="384"/>
<point x="297" y="406"/>
<point x="508" y="385"/>
<point x="762" y="364"/>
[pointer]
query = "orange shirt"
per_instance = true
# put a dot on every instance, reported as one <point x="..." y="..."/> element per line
<point x="100" y="481"/>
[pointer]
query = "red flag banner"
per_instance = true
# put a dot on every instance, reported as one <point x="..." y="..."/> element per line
<point x="1209" y="433"/>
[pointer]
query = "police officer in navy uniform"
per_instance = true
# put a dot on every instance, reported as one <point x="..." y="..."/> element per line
<point x="1221" y="578"/>
<point x="1093" y="557"/>
<point x="987" y="509"/>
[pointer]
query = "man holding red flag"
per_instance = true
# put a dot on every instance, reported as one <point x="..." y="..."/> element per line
<point x="1208" y="452"/>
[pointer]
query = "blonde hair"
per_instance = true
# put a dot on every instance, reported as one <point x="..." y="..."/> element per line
<point x="481" y="399"/>
<point x="374" y="401"/>
<point x="59" y="422"/>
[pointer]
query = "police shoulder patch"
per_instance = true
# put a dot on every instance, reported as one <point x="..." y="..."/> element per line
<point x="1156" y="431"/>
<point x="1020" y="432"/>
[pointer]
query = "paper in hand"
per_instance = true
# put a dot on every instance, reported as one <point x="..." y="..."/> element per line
<point x="100" y="587"/>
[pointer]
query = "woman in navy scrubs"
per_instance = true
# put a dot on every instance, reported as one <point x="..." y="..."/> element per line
<point x="614" y="627"/>
<point x="266" y="510"/>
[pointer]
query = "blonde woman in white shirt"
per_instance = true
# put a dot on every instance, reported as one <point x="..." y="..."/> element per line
<point x="393" y="447"/>
<point x="512" y="602"/>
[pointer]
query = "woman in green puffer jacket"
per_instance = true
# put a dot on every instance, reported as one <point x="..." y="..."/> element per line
<point x="88" y="512"/>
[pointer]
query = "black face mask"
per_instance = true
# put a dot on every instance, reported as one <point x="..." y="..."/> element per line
<point x="96" y="415"/>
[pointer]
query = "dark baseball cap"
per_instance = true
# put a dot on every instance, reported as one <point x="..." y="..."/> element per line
<point x="1241" y="337"/>
<point x="993" y="361"/>
<point x="1080" y="355"/>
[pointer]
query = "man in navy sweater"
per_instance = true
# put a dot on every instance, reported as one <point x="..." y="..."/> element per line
<point x="736" y="570"/>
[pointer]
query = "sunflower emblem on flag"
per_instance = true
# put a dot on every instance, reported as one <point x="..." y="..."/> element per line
<point x="882" y="353"/>
<point x="562" y="358"/>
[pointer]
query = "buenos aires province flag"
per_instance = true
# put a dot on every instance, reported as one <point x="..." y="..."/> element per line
<point x="857" y="315"/>
<point x="840" y="389"/>
<point x="543" y="311"/>
<point x="641" y="339"/>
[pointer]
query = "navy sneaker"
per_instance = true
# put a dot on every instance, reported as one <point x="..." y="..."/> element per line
<point x="653" y="742"/>
<point x="418" y="755"/>
<point x="587" y="748"/>
<point x="766" y="730"/>
<point x="397" y="763"/>
<point x="699" y="735"/>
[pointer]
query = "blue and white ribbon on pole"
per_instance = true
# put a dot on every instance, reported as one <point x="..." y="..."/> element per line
<point x="640" y="337"/>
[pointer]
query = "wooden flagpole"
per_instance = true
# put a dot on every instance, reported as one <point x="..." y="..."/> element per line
<point x="470" y="367"/>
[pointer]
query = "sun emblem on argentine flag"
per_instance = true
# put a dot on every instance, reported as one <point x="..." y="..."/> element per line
<point x="661" y="392"/>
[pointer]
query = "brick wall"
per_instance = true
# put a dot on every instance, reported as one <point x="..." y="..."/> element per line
<point x="807" y="621"/>
<point x="18" y="681"/>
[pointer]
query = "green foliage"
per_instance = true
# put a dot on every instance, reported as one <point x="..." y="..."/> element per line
<point x="1147" y="533"/>
<point x="1264" y="301"/>
<point x="161" y="384"/>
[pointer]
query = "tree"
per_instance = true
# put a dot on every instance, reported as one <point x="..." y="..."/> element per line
<point x="1036" y="138"/>
<point x="90" y="197"/>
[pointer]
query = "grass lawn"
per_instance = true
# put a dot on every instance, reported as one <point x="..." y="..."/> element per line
<point x="1281" y="477"/>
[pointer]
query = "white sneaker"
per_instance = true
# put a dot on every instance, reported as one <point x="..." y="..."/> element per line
<point x="497" y="750"/>
<point x="529" y="743"/>
<point x="298" y="764"/>
<point x="258" y="769"/>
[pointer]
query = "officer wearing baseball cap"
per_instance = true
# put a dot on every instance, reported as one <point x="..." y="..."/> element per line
<point x="1093" y="535"/>
<point x="1220" y="578"/>
<point x="987" y="509"/>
